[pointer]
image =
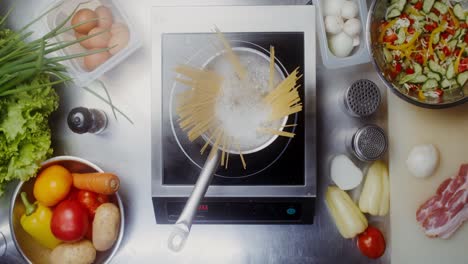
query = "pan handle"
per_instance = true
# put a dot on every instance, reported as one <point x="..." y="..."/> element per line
<point x="182" y="227"/>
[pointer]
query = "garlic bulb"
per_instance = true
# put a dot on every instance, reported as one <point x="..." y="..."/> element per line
<point x="334" y="24"/>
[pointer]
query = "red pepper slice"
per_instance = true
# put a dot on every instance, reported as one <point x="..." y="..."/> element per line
<point x="390" y="38"/>
<point x="418" y="5"/>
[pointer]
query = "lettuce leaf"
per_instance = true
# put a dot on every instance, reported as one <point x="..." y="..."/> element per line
<point x="25" y="136"/>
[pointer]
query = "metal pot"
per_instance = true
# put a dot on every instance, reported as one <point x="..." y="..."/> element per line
<point x="31" y="251"/>
<point x="375" y="17"/>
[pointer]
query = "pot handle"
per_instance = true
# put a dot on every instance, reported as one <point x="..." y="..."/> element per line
<point x="182" y="227"/>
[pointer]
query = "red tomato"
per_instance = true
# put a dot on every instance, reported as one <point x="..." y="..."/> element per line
<point x="450" y="31"/>
<point x="70" y="221"/>
<point x="91" y="201"/>
<point x="411" y="30"/>
<point x="463" y="65"/>
<point x="418" y="5"/>
<point x="390" y="38"/>
<point x="439" y="92"/>
<point x="418" y="58"/>
<point x="463" y="25"/>
<point x="409" y="71"/>
<point x="466" y="38"/>
<point x="371" y="243"/>
<point x="444" y="35"/>
<point x="398" y="68"/>
<point x="430" y="27"/>
<point x="435" y="11"/>
<point x="446" y="51"/>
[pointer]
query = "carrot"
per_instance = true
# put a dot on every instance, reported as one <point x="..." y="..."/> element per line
<point x="103" y="183"/>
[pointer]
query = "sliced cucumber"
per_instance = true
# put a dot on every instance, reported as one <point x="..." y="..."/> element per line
<point x="391" y="13"/>
<point x="401" y="36"/>
<point x="427" y="6"/>
<point x="400" y="4"/>
<point x="433" y="17"/>
<point x="446" y="83"/>
<point x="429" y="84"/>
<point x="388" y="55"/>
<point x="442" y="8"/>
<point x="462" y="78"/>
<point x="450" y="71"/>
<point x="436" y="38"/>
<point x="418" y="79"/>
<point x="452" y="44"/>
<point x="440" y="54"/>
<point x="417" y="68"/>
<point x="458" y="12"/>
<point x="435" y="67"/>
<point x="457" y="33"/>
<point x="433" y="75"/>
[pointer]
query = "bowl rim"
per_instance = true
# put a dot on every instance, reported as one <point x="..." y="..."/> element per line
<point x="117" y="243"/>
<point x="390" y="86"/>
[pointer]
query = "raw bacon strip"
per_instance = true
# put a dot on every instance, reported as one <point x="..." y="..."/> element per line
<point x="442" y="214"/>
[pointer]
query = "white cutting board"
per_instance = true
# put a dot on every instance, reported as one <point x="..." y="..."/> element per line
<point x="447" y="129"/>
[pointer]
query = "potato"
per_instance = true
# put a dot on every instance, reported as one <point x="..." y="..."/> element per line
<point x="81" y="252"/>
<point x="106" y="225"/>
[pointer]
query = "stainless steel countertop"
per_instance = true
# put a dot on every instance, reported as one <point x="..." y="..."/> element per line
<point x="125" y="149"/>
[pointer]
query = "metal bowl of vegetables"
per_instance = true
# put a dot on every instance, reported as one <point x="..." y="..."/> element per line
<point x="25" y="228"/>
<point x="418" y="49"/>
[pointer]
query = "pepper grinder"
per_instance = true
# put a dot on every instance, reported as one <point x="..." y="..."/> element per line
<point x="83" y="120"/>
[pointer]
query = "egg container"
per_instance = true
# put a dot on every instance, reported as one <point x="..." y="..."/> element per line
<point x="359" y="55"/>
<point x="76" y="68"/>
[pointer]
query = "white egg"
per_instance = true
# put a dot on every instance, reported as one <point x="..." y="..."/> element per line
<point x="332" y="7"/>
<point x="340" y="44"/>
<point x="333" y="24"/>
<point x="349" y="9"/>
<point x="352" y="27"/>
<point x="422" y="160"/>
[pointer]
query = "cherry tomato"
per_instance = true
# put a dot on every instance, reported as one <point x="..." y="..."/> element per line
<point x="371" y="243"/>
<point x="390" y="38"/>
<point x="439" y="92"/>
<point x="409" y="71"/>
<point x="418" y="5"/>
<point x="70" y="221"/>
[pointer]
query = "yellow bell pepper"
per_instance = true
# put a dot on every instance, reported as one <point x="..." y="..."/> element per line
<point x="36" y="222"/>
<point x="348" y="219"/>
<point x="375" y="195"/>
<point x="384" y="29"/>
<point x="457" y="62"/>
<point x="456" y="23"/>
<point x="404" y="46"/>
<point x="436" y="31"/>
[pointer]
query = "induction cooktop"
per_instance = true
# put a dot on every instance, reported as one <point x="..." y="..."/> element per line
<point x="279" y="183"/>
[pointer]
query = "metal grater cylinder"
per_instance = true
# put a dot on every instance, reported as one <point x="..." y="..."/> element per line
<point x="369" y="143"/>
<point x="362" y="98"/>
